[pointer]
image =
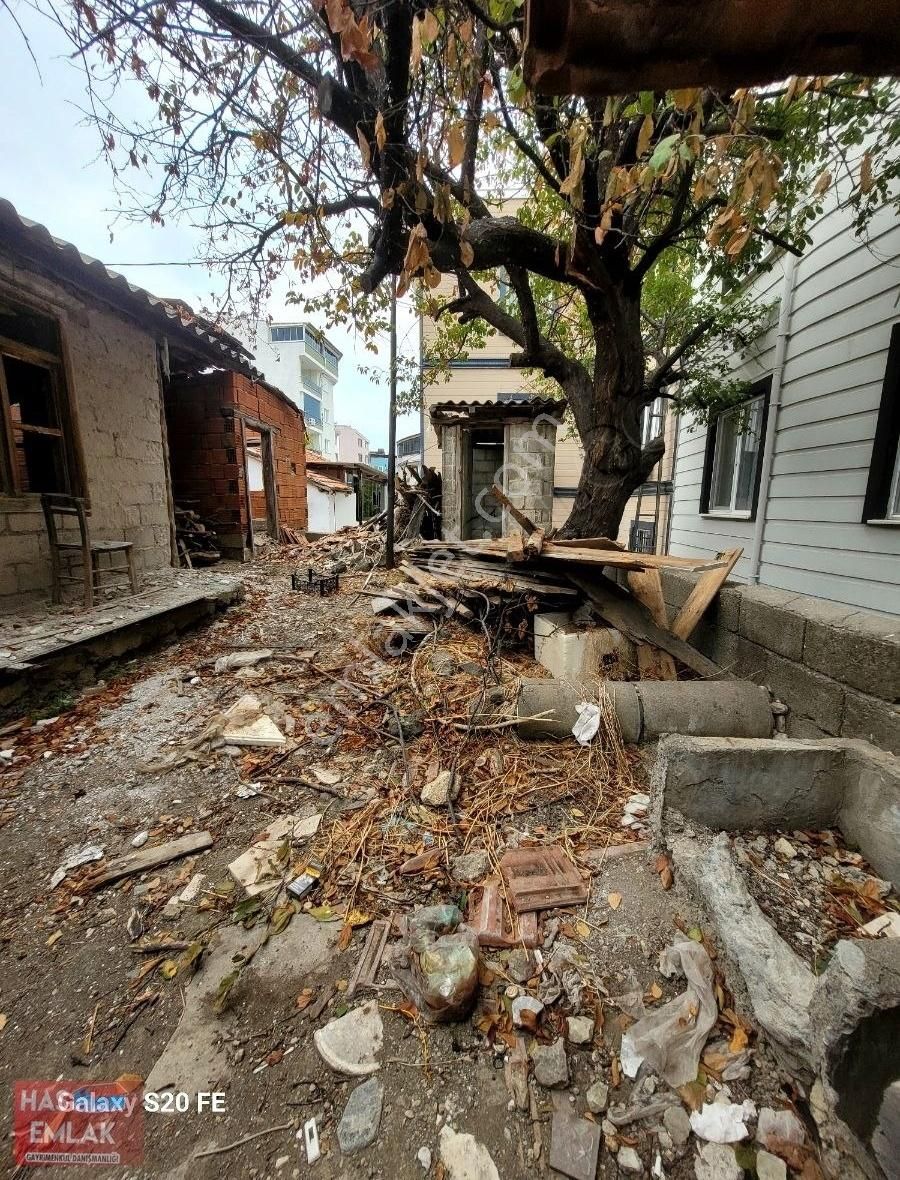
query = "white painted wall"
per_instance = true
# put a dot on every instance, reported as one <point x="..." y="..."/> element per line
<point x="329" y="511"/>
<point x="846" y="300"/>
<point x="284" y="364"/>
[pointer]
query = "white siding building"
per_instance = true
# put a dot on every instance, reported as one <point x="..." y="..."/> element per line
<point x="806" y="476"/>
<point x="352" y="447"/>
<point x="302" y="361"/>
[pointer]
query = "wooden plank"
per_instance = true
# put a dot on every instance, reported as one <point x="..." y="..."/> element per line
<point x="646" y="586"/>
<point x="633" y="619"/>
<point x="516" y="513"/>
<point x="705" y="589"/>
<point x="654" y="664"/>
<point x="584" y="555"/>
<point x="588" y="543"/>
<point x="427" y="582"/>
<point x="149" y="858"/>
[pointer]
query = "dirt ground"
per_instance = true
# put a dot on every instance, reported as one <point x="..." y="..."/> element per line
<point x="84" y="995"/>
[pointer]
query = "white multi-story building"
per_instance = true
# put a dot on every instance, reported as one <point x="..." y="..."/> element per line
<point x="303" y="363"/>
<point x="352" y="447"/>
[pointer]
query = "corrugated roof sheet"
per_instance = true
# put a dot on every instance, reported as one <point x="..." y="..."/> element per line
<point x="34" y="241"/>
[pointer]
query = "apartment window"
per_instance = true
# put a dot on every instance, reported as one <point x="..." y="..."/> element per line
<point x="734" y="445"/>
<point x="882" y="502"/>
<point x="279" y="333"/>
<point x="37" y="441"/>
<point x="652" y="418"/>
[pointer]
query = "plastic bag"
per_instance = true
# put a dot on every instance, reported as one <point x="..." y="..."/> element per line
<point x="443" y="957"/>
<point x="585" y="728"/>
<point x="671" y="1038"/>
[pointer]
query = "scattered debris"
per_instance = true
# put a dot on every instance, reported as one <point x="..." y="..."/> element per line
<point x="148" y="858"/>
<point x="247" y="725"/>
<point x="362" y="1115"/>
<point x="495" y="927"/>
<point x="140" y="839"/>
<point x="671" y="1038"/>
<point x="464" y="1158"/>
<point x="723" y="1122"/>
<point x="525" y="1012"/>
<point x="470" y="867"/>
<point x="541" y="879"/>
<point x="351" y="1043"/>
<point x="264" y="865"/>
<point x="597" y="1097"/>
<point x="579" y="1030"/>
<point x="442" y="789"/>
<point x="551" y="1069"/>
<point x="311" y="1140"/>
<point x="370" y="960"/>
<point x="574" y="1143"/>
<point x="241" y="659"/>
<point x="74" y="859"/>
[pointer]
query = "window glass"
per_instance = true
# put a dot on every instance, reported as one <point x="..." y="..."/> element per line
<point x="32" y="416"/>
<point x="748" y="455"/>
<point x="723" y="469"/>
<point x="894" y="503"/>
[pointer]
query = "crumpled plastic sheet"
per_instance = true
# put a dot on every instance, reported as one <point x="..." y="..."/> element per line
<point x="723" y="1122"/>
<point x="671" y="1038"/>
<point x="585" y="728"/>
<point x="443" y="957"/>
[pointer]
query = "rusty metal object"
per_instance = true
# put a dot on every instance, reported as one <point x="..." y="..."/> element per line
<point x="619" y="46"/>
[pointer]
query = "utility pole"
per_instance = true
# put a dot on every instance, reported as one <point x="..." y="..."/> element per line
<point x="392" y="436"/>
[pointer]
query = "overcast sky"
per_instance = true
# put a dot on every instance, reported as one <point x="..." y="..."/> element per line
<point x="51" y="172"/>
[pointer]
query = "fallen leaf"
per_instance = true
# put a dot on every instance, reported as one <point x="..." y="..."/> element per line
<point x="3" y="1019"/>
<point x="344" y="937"/>
<point x="615" y="900"/>
<point x="615" y="1071"/>
<point x="322" y="913"/>
<point x="304" y="999"/>
<point x="739" y="1040"/>
<point x="54" y="937"/>
<point x="694" y="933"/>
<point x="582" y="929"/>
<point x="275" y="1057"/>
<point x="655" y="991"/>
<point x="169" y="969"/>
<point x="666" y="878"/>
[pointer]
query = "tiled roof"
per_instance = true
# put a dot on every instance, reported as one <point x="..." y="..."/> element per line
<point x="34" y="241"/>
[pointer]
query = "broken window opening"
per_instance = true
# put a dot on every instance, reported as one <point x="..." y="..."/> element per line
<point x="32" y="391"/>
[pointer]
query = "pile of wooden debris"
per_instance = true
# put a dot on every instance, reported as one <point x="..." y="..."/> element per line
<point x="486" y="580"/>
<point x="417" y="516"/>
<point x="197" y="541"/>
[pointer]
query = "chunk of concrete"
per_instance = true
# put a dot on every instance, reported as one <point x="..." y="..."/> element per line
<point x="678" y="1124"/>
<point x="629" y="1160"/>
<point x="731" y="784"/>
<point x="574" y="1143"/>
<point x="856" y="1026"/>
<point x="464" y="1157"/>
<point x="870" y="813"/>
<point x="779" y="983"/>
<point x="597" y="1098"/>
<point x="471" y="866"/>
<point x="716" y="1161"/>
<point x="579" y="1030"/>
<point x="441" y="790"/>
<point x="351" y="1043"/>
<point x="779" y="1126"/>
<point x="770" y="1167"/>
<point x="362" y="1115"/>
<point x="551" y="1069"/>
<point x="194" y="1059"/>
<point x="573" y="651"/>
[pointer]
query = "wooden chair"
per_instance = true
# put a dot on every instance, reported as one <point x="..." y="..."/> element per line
<point x="66" y="551"/>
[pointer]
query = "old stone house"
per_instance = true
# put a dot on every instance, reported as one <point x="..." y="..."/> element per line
<point x="86" y="362"/>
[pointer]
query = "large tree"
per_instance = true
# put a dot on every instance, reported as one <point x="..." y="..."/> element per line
<point x="363" y="139"/>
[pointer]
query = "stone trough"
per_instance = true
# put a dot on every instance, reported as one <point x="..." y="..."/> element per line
<point x="838" y="1032"/>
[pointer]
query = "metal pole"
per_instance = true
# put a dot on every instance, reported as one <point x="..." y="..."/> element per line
<point x="392" y="436"/>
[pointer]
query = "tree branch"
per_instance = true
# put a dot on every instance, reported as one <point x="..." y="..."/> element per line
<point x="660" y="376"/>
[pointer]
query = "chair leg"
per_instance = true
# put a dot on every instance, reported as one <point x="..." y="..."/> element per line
<point x="132" y="571"/>
<point x="56" y="583"/>
<point x="88" y="563"/>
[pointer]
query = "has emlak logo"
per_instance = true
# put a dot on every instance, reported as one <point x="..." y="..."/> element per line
<point x="78" y="1122"/>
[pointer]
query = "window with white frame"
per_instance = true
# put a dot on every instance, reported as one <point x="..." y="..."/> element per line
<point x="652" y="418"/>
<point x="733" y="456"/>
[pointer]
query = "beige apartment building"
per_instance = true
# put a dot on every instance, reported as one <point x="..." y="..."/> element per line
<point x="486" y="376"/>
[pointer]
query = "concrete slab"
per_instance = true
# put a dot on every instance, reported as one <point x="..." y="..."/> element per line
<point x="195" y="1059"/>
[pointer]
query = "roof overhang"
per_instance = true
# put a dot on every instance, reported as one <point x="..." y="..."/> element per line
<point x="190" y="339"/>
<point x="599" y="47"/>
<point x="496" y="413"/>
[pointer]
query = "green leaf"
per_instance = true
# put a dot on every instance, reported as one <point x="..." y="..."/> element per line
<point x="647" y="102"/>
<point x="220" y="1003"/>
<point x="662" y="153"/>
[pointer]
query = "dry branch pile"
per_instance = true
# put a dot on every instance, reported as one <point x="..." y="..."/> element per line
<point x="196" y="538"/>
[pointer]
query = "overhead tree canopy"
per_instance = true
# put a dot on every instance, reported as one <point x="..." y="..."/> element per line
<point x="369" y="138"/>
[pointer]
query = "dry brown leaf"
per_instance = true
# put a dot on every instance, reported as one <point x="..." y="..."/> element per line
<point x="380" y="132"/>
<point x="365" y="150"/>
<point x="615" y="900"/>
<point x="466" y="252"/>
<point x="739" y="1040"/>
<point x="304" y="999"/>
<point x="456" y="143"/>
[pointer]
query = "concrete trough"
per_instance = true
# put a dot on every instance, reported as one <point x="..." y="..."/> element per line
<point x="734" y="784"/>
<point x="647" y="709"/>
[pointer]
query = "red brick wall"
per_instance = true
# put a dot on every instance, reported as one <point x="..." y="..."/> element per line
<point x="205" y="447"/>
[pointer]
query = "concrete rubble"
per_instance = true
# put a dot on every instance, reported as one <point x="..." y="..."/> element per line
<point x="396" y="787"/>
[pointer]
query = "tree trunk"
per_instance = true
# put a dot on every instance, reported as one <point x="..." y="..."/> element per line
<point x="610" y="429"/>
<point x="613" y="469"/>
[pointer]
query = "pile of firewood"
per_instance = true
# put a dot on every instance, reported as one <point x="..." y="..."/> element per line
<point x="196" y="539"/>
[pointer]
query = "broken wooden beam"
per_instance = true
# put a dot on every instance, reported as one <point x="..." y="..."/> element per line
<point x="704" y="591"/>
<point x="148" y="858"/>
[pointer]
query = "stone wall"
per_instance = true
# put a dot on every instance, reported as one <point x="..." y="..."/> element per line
<point x="205" y="441"/>
<point x="528" y="471"/>
<point x="113" y="388"/>
<point x="837" y="668"/>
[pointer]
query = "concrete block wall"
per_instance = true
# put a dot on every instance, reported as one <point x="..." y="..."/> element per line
<point x="529" y="465"/>
<point x="486" y="461"/>
<point x="114" y="391"/>
<point x="836" y="667"/>
<point x="205" y="444"/>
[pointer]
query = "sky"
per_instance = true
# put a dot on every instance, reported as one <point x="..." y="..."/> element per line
<point x="51" y="172"/>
